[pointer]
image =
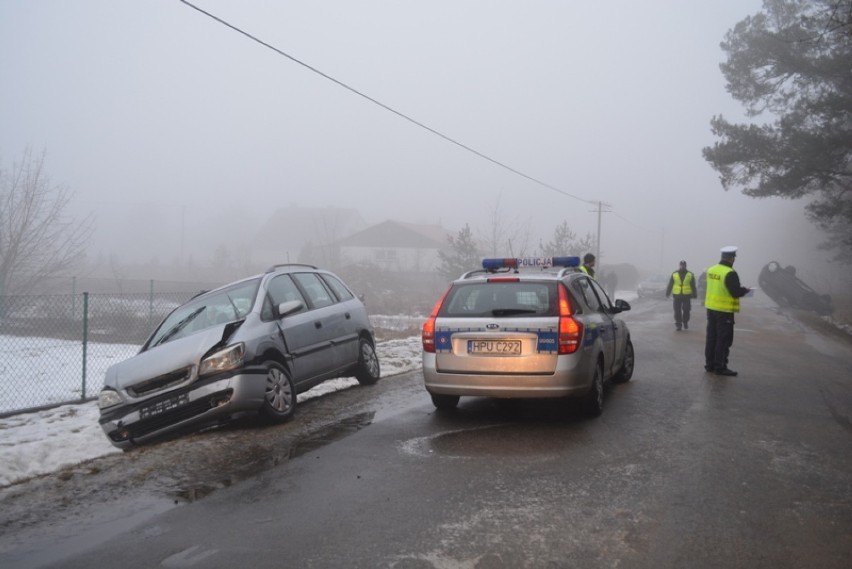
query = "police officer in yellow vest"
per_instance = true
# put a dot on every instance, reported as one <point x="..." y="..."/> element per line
<point x="682" y="288"/>
<point x="722" y="301"/>
<point x="588" y="265"/>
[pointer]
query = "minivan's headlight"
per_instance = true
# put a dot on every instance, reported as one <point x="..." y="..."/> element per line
<point x="108" y="398"/>
<point x="223" y="360"/>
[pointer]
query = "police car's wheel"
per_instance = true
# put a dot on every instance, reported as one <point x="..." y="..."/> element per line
<point x="367" y="372"/>
<point x="279" y="398"/>
<point x="593" y="401"/>
<point x="626" y="371"/>
<point x="444" y="402"/>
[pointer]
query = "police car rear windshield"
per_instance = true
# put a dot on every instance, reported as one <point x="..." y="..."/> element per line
<point x="499" y="299"/>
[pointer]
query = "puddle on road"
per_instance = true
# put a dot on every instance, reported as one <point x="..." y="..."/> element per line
<point x="324" y="435"/>
<point x="330" y="433"/>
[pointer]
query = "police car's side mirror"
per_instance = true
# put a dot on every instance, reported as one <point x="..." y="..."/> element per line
<point x="621" y="305"/>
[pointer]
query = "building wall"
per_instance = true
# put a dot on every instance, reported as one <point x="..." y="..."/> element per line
<point x="394" y="259"/>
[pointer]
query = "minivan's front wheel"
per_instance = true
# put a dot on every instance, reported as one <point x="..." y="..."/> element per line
<point x="367" y="372"/>
<point x="279" y="398"/>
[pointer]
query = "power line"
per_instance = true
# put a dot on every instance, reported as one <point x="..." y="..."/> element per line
<point x="384" y="106"/>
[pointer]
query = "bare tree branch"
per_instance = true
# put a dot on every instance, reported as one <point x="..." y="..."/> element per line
<point x="37" y="239"/>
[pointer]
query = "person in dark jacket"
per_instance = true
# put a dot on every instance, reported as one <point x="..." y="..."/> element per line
<point x="682" y="288"/>
<point x="722" y="301"/>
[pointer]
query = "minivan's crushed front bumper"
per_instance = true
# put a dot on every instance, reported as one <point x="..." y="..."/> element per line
<point x="204" y="401"/>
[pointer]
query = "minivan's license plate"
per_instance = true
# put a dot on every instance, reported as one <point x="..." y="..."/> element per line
<point x="163" y="406"/>
<point x="494" y="347"/>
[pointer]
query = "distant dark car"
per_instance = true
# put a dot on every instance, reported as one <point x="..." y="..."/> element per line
<point x="784" y="287"/>
<point x="246" y="348"/>
<point x="654" y="286"/>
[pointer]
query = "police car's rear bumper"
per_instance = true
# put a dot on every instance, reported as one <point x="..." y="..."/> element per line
<point x="565" y="381"/>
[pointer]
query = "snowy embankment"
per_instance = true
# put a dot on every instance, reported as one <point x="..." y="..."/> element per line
<point x="46" y="441"/>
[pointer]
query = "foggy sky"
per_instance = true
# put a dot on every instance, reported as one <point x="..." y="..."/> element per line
<point x="176" y="131"/>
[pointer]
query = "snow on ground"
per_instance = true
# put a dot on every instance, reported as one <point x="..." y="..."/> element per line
<point x="46" y="441"/>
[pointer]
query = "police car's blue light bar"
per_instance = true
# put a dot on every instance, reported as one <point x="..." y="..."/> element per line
<point x="493" y="264"/>
<point x="530" y="263"/>
<point x="566" y="261"/>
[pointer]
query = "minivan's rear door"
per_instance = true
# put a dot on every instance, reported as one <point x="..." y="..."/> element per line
<point x="333" y="324"/>
<point x="304" y="332"/>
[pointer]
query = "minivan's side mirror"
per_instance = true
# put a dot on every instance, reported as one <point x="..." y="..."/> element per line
<point x="290" y="307"/>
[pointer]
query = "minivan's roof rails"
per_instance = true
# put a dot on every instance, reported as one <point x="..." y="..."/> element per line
<point x="282" y="265"/>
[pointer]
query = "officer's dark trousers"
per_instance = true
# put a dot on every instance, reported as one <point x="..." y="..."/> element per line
<point x="682" y="304"/>
<point x="720" y="337"/>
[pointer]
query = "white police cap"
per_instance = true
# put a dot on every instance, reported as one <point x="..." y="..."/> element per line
<point x="729" y="250"/>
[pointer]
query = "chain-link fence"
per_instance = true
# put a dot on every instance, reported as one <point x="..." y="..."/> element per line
<point x="55" y="348"/>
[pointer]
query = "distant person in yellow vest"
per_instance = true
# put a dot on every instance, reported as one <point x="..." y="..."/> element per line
<point x="682" y="289"/>
<point x="722" y="301"/>
<point x="588" y="265"/>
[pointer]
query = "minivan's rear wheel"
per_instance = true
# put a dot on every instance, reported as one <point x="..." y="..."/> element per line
<point x="445" y="402"/>
<point x="279" y="398"/>
<point x="368" y="371"/>
<point x="593" y="400"/>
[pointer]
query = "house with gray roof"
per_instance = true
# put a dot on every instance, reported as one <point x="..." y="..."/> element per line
<point x="396" y="246"/>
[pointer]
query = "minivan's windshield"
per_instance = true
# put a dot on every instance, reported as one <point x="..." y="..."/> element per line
<point x="220" y="307"/>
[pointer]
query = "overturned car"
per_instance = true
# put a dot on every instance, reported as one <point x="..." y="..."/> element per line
<point x="784" y="287"/>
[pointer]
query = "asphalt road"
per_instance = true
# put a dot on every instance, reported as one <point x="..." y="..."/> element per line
<point x="683" y="469"/>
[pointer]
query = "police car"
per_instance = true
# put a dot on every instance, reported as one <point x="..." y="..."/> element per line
<point x="526" y="328"/>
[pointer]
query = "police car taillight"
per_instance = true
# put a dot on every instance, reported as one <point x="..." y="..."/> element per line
<point x="427" y="336"/>
<point x="570" y="330"/>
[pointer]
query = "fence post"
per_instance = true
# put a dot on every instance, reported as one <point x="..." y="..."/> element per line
<point x="150" y="304"/>
<point x="73" y="297"/>
<point x="85" y="338"/>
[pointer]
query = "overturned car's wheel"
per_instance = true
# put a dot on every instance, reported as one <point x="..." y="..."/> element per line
<point x="368" y="371"/>
<point x="279" y="398"/>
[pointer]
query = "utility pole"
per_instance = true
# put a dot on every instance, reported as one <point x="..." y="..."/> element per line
<point x="600" y="211"/>
<point x="598" y="238"/>
<point x="182" y="232"/>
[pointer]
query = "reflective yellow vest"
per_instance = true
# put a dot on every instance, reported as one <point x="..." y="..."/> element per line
<point x="718" y="296"/>
<point x="684" y="287"/>
<point x="585" y="269"/>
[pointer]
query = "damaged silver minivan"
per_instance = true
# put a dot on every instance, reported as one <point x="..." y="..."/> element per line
<point x="245" y="348"/>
